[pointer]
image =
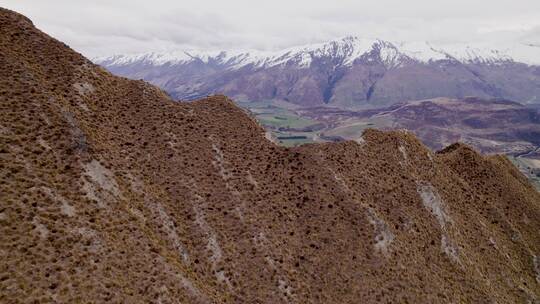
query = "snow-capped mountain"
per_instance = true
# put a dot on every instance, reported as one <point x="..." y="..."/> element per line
<point x="348" y="49"/>
<point x="347" y="72"/>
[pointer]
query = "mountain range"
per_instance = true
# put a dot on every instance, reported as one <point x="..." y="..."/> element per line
<point x="112" y="192"/>
<point x="349" y="73"/>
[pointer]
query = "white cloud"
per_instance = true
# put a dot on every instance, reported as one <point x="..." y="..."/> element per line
<point x="125" y="26"/>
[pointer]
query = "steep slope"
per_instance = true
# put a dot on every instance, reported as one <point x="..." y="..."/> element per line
<point x="350" y="72"/>
<point x="111" y="192"/>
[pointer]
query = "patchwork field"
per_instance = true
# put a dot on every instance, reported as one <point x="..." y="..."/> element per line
<point x="286" y="125"/>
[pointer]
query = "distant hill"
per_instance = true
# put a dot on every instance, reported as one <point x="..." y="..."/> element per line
<point x="111" y="192"/>
<point x="349" y="73"/>
<point x="490" y="125"/>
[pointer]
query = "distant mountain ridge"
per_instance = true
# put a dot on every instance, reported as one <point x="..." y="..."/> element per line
<point x="349" y="48"/>
<point x="349" y="72"/>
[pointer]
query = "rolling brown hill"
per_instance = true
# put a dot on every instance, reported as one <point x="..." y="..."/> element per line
<point x="112" y="192"/>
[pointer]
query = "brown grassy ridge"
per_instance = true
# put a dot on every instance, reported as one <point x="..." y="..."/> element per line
<point x="112" y="192"/>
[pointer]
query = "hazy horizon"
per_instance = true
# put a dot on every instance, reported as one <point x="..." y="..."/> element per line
<point x="103" y="28"/>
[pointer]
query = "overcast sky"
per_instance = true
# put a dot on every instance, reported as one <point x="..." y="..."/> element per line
<point x="105" y="27"/>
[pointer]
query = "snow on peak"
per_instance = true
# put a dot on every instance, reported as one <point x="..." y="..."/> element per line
<point x="346" y="49"/>
<point x="343" y="51"/>
<point x="480" y="53"/>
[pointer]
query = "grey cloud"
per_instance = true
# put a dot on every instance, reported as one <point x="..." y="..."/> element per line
<point x="106" y="27"/>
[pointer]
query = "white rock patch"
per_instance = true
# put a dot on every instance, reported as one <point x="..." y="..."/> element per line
<point x="251" y="179"/>
<point x="433" y="202"/>
<point x="448" y="248"/>
<point x="172" y="142"/>
<point x="430" y="156"/>
<point x="339" y="179"/>
<point x="383" y="234"/>
<point x="4" y="130"/>
<point x="91" y="193"/>
<point x="97" y="178"/>
<point x="285" y="288"/>
<point x="536" y="263"/>
<point x="227" y="175"/>
<point x="268" y="135"/>
<point x="403" y="152"/>
<point x="219" y="163"/>
<point x="91" y="235"/>
<point x="360" y="140"/>
<point x="101" y="176"/>
<point x="40" y="228"/>
<point x="212" y="245"/>
<point x="43" y="143"/>
<point x="135" y="183"/>
<point x="260" y="240"/>
<point x="65" y="207"/>
<point x="170" y="230"/>
<point x="83" y="88"/>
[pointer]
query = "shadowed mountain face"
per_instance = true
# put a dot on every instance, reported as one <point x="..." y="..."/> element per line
<point x="348" y="73"/>
<point x="490" y="125"/>
<point x="112" y="192"/>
